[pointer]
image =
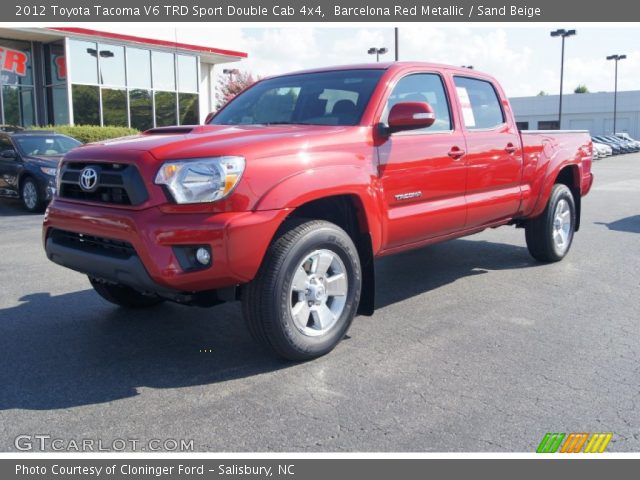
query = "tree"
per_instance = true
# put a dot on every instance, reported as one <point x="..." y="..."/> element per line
<point x="542" y="93"/>
<point x="230" y="85"/>
<point x="581" y="89"/>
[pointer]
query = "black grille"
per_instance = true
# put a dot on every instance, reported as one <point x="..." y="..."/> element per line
<point x="117" y="184"/>
<point x="91" y="243"/>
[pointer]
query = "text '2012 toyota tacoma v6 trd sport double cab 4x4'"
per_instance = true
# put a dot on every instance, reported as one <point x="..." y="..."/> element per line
<point x="285" y="196"/>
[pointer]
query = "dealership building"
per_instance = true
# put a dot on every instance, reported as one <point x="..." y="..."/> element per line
<point x="57" y="76"/>
<point x="580" y="111"/>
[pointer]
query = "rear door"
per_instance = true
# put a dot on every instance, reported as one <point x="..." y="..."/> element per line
<point x="494" y="153"/>
<point x="422" y="171"/>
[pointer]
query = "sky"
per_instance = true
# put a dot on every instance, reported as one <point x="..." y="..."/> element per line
<point x="525" y="59"/>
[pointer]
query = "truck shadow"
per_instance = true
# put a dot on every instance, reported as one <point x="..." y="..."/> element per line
<point x="628" y="224"/>
<point x="75" y="349"/>
<point x="408" y="274"/>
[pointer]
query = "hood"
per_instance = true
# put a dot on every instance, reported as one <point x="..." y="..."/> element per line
<point x="43" y="161"/>
<point x="250" y="141"/>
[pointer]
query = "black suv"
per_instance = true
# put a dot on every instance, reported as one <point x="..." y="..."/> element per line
<point x="28" y="165"/>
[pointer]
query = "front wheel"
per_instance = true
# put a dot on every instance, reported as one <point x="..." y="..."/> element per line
<point x="549" y="236"/>
<point x="307" y="291"/>
<point x="30" y="195"/>
<point x="123" y="296"/>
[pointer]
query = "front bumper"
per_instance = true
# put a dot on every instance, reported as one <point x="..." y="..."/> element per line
<point x="237" y="241"/>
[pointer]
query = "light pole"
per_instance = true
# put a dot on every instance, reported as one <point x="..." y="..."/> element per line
<point x="561" y="32"/>
<point x="377" y="52"/>
<point x="231" y="72"/>
<point x="615" y="91"/>
<point x="397" y="39"/>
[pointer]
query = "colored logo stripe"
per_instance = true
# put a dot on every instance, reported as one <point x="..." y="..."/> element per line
<point x="574" y="443"/>
<point x="550" y="443"/>
<point x="598" y="442"/>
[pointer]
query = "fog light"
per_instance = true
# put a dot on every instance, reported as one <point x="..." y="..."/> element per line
<point x="203" y="256"/>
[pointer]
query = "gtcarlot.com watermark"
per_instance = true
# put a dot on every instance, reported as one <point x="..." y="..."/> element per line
<point x="49" y="443"/>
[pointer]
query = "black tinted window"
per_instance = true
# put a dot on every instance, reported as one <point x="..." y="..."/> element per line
<point x="479" y="102"/>
<point x="422" y="87"/>
<point x="324" y="98"/>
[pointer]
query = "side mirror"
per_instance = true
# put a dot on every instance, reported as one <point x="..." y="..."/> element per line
<point x="208" y="118"/>
<point x="410" y="116"/>
<point x="10" y="153"/>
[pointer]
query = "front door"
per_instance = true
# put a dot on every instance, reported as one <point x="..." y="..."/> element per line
<point x="422" y="171"/>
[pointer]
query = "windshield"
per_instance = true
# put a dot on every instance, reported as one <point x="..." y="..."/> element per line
<point x="44" y="145"/>
<point x="325" y="98"/>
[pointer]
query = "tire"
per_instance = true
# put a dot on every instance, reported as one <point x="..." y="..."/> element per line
<point x="124" y="296"/>
<point x="289" y="307"/>
<point x="30" y="195"/>
<point x="549" y="236"/>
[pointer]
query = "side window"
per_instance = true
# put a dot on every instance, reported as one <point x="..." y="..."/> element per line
<point x="422" y="87"/>
<point x="479" y="102"/>
<point x="5" y="144"/>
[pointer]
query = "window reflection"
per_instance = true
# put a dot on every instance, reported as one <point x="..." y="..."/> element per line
<point x="114" y="107"/>
<point x="141" y="107"/>
<point x="187" y="74"/>
<point x="189" y="109"/>
<point x="164" y="76"/>
<point x="138" y="68"/>
<point x="165" y="109"/>
<point x="111" y="65"/>
<point x="18" y="105"/>
<point x="86" y="105"/>
<point x="84" y="61"/>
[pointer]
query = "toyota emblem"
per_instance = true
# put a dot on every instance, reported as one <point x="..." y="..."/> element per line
<point x="88" y="179"/>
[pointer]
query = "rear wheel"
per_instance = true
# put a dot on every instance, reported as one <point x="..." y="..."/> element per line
<point x="123" y="296"/>
<point x="549" y="236"/>
<point x="307" y="291"/>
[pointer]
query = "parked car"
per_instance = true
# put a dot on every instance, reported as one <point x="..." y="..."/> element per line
<point x="600" y="150"/>
<point x="288" y="194"/>
<point x="615" y="146"/>
<point x="28" y="164"/>
<point x="627" y="146"/>
<point x="626" y="137"/>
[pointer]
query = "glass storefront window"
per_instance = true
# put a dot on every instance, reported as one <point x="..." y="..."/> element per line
<point x="141" y="107"/>
<point x="111" y="65"/>
<point x="165" y="109"/>
<point x="57" y="105"/>
<point x="189" y="108"/>
<point x="114" y="107"/>
<point x="164" y="76"/>
<point x="84" y="61"/>
<point x="17" y="104"/>
<point x="138" y="68"/>
<point x="86" y="104"/>
<point x="187" y="73"/>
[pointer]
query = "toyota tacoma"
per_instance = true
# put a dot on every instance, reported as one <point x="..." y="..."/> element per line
<point x="284" y="197"/>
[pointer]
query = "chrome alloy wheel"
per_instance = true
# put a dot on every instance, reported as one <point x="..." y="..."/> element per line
<point x="318" y="292"/>
<point x="562" y="226"/>
<point x="30" y="195"/>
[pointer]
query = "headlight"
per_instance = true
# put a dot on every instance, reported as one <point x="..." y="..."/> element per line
<point x="201" y="180"/>
<point x="51" y="171"/>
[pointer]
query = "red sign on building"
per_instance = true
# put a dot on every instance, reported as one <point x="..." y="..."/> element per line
<point x="13" y="61"/>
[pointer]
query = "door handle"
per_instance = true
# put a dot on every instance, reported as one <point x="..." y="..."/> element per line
<point x="456" y="153"/>
<point x="510" y="148"/>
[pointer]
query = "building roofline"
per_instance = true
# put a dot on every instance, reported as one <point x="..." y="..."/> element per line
<point x="148" y="41"/>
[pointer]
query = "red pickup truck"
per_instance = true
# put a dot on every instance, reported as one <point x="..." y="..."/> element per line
<point x="285" y="197"/>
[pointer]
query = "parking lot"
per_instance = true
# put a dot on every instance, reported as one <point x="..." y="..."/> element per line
<point x="474" y="347"/>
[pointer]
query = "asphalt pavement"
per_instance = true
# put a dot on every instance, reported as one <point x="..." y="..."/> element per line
<point x="474" y="347"/>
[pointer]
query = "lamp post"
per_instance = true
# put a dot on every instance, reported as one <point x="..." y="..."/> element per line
<point x="377" y="52"/>
<point x="615" y="91"/>
<point x="231" y="72"/>
<point x="397" y="42"/>
<point x="561" y="32"/>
